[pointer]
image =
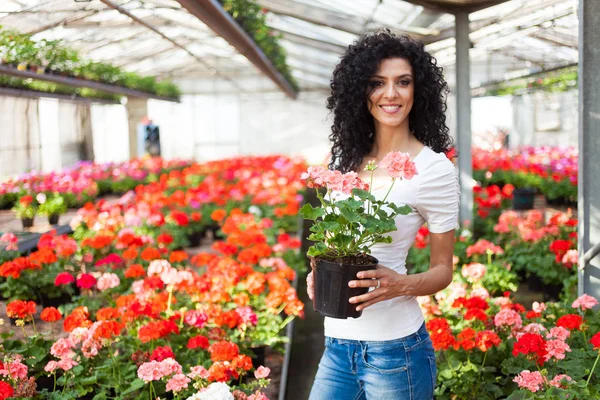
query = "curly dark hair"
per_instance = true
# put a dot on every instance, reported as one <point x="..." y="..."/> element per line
<point x="352" y="132"/>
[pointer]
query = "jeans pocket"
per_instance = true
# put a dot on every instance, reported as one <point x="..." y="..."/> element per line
<point x="386" y="360"/>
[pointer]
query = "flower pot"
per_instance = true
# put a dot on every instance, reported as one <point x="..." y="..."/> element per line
<point x="332" y="293"/>
<point x="195" y="238"/>
<point x="259" y="356"/>
<point x="53" y="219"/>
<point x="27" y="222"/>
<point x="523" y="198"/>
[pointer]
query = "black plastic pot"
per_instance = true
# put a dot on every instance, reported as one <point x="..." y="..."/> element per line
<point x="523" y="198"/>
<point x="27" y="222"/>
<point x="195" y="238"/>
<point x="53" y="219"/>
<point x="259" y="356"/>
<point x="331" y="288"/>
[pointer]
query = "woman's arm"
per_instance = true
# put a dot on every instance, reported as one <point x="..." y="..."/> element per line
<point x="393" y="284"/>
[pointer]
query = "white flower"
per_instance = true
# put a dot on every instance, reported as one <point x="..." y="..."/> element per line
<point x="255" y="210"/>
<point x="215" y="391"/>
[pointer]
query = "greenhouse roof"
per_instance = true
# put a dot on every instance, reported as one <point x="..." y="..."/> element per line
<point x="163" y="38"/>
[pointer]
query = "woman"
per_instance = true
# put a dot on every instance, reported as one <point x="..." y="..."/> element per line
<point x="388" y="94"/>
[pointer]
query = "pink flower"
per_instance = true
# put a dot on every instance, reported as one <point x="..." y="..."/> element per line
<point x="480" y="292"/>
<point x="334" y="180"/>
<point x="62" y="348"/>
<point x="170" y="366"/>
<point x="559" y="333"/>
<point x="315" y="176"/>
<point x="585" y="302"/>
<point x="248" y="316"/>
<point x="556" y="380"/>
<point x="151" y="371"/>
<point x="177" y="383"/>
<point x="538" y="307"/>
<point x="398" y="165"/>
<point x="533" y="328"/>
<point x="195" y="318"/>
<point x="157" y="267"/>
<point x="258" y="396"/>
<point x="51" y="366"/>
<point x="108" y="281"/>
<point x="474" y="271"/>
<point x="531" y="381"/>
<point x="14" y="370"/>
<point x="351" y="181"/>
<point x="11" y="239"/>
<point x="262" y="372"/>
<point x="66" y="364"/>
<point x="571" y="257"/>
<point x="508" y="317"/>
<point x="199" y="372"/>
<point x="556" y="348"/>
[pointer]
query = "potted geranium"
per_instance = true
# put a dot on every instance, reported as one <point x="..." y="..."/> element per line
<point x="53" y="205"/>
<point x="348" y="223"/>
<point x="25" y="209"/>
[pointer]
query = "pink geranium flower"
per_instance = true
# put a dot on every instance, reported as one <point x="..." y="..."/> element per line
<point x="108" y="281"/>
<point x="585" y="302"/>
<point x="558" y="332"/>
<point x="532" y="381"/>
<point x="398" y="165"/>
<point x="474" y="271"/>
<point x="556" y="348"/>
<point x="508" y="317"/>
<point x="262" y="372"/>
<point x="177" y="383"/>
<point x="556" y="380"/>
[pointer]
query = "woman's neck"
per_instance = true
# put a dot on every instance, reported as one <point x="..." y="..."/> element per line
<point x="392" y="138"/>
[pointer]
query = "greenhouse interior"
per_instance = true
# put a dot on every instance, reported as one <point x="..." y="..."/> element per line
<point x="168" y="184"/>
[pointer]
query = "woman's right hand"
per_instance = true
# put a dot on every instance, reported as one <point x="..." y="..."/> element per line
<point x="310" y="283"/>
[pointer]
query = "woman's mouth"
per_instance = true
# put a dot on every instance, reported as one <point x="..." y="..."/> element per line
<point x="390" y="109"/>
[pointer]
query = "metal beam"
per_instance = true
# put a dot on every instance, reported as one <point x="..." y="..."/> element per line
<point x="452" y="7"/>
<point x="62" y="21"/>
<point x="315" y="43"/>
<point x="211" y="12"/>
<point x="32" y="94"/>
<point x="588" y="199"/>
<point x="463" y="113"/>
<point x="75" y="82"/>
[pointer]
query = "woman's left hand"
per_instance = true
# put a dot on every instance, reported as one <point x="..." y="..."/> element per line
<point x="391" y="285"/>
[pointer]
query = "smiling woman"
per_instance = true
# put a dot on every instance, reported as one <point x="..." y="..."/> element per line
<point x="388" y="95"/>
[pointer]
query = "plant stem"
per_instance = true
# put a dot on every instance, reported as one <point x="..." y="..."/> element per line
<point x="33" y="323"/>
<point x="386" y="195"/>
<point x="592" y="371"/>
<point x="170" y="290"/>
<point x="54" y="375"/>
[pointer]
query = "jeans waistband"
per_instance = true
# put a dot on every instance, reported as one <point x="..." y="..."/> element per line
<point x="419" y="335"/>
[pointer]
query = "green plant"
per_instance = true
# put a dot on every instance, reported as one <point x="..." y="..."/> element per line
<point x="51" y="204"/>
<point x="25" y="207"/>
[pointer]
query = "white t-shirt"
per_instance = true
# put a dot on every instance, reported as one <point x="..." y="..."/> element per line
<point x="434" y="196"/>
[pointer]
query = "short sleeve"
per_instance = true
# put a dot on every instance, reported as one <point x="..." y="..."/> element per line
<point x="438" y="195"/>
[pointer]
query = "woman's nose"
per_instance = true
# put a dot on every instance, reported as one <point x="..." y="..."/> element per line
<point x="390" y="91"/>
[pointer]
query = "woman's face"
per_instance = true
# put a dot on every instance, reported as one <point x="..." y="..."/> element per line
<point x="391" y="92"/>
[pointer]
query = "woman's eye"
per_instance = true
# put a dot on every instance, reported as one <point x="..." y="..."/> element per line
<point x="404" y="82"/>
<point x="375" y="83"/>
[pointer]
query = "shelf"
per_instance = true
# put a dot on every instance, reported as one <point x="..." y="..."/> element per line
<point x="76" y="82"/>
<point x="33" y="94"/>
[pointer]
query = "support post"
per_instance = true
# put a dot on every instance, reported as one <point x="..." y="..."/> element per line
<point x="137" y="109"/>
<point x="463" y="113"/>
<point x="588" y="201"/>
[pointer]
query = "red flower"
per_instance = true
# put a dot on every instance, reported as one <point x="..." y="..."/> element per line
<point x="20" y="309"/>
<point x="531" y="343"/>
<point x="180" y="218"/>
<point x="134" y="271"/>
<point x="570" y="321"/>
<point x="64" y="278"/>
<point x="50" y="314"/>
<point x="6" y="390"/>
<point x="161" y="353"/>
<point x="485" y="340"/>
<point x="86" y="281"/>
<point x="595" y="341"/>
<point x="149" y="254"/>
<point x="476" y="313"/>
<point x="198" y="341"/>
<point x="164" y="238"/>
<point x="532" y="314"/>
<point x="26" y="200"/>
<point x="466" y="339"/>
<point x="114" y="260"/>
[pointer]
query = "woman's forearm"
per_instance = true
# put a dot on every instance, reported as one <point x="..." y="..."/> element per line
<point x="430" y="282"/>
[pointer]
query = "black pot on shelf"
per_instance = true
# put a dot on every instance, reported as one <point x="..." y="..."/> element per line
<point x="27" y="222"/>
<point x="53" y="219"/>
<point x="195" y="238"/>
<point x="332" y="293"/>
<point x="259" y="356"/>
<point x="523" y="198"/>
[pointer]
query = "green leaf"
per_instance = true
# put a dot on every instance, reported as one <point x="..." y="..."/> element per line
<point x="403" y="210"/>
<point x="137" y="384"/>
<point x="308" y="212"/>
<point x="350" y="215"/>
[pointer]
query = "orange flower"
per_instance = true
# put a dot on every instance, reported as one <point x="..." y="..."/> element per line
<point x="223" y="351"/>
<point x="125" y="300"/>
<point x="218" y="215"/>
<point x="20" y="309"/>
<point x="255" y="283"/>
<point x="106" y="313"/>
<point x="135" y="271"/>
<point x="77" y="319"/>
<point x="221" y="372"/>
<point x="241" y="299"/>
<point x="178" y="256"/>
<point x="98" y="242"/>
<point x="229" y="318"/>
<point x="44" y="255"/>
<point x="131" y="253"/>
<point x="149" y="254"/>
<point x="242" y="362"/>
<point x="107" y="329"/>
<point x="50" y="314"/>
<point x="202" y="259"/>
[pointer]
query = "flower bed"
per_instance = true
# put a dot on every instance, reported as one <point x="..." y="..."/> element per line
<point x="550" y="170"/>
<point x="145" y="318"/>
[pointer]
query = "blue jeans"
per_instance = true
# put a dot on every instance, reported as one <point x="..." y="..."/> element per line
<point x="401" y="369"/>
